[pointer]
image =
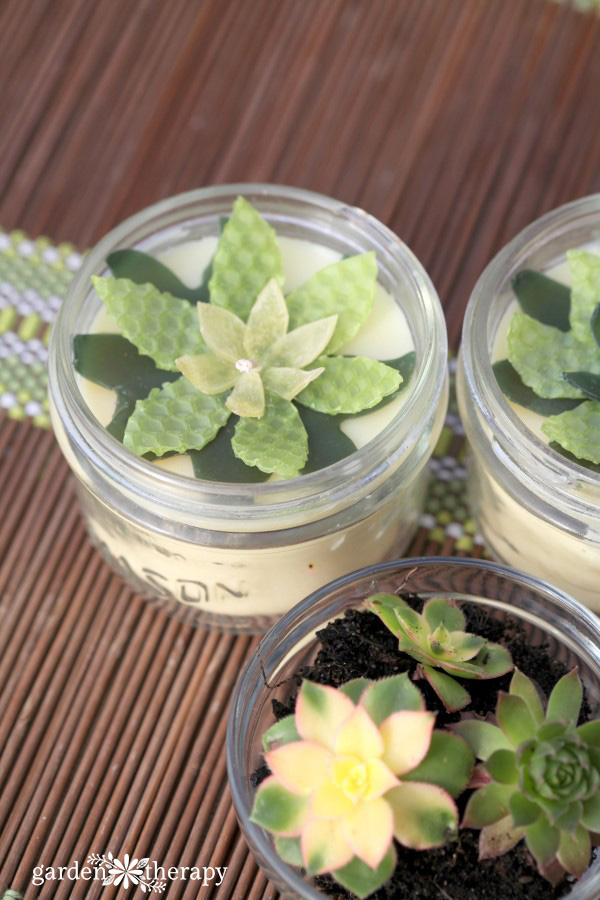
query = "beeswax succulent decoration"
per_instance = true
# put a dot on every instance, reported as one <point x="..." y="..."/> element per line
<point x="437" y="639"/>
<point x="553" y="365"/>
<point x="235" y="362"/>
<point x="540" y="777"/>
<point x="353" y="769"/>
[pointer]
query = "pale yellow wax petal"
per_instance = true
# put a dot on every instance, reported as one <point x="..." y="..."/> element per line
<point x="320" y="710"/>
<point x="406" y="737"/>
<point x="267" y="322"/>
<point x="222" y="330"/>
<point x="248" y="396"/>
<point x="369" y="830"/>
<point x="300" y="766"/>
<point x="359" y="736"/>
<point x="301" y="346"/>
<point x="329" y="802"/>
<point x="324" y="847"/>
<point x="208" y="372"/>
<point x="288" y="382"/>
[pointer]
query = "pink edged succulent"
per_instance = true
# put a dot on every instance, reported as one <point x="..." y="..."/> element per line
<point x="353" y="769"/>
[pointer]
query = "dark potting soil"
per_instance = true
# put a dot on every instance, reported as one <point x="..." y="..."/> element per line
<point x="359" y="645"/>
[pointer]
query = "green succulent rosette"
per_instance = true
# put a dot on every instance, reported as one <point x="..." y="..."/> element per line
<point x="553" y="365"/>
<point x="539" y="777"/>
<point x="438" y="640"/>
<point x="246" y="380"/>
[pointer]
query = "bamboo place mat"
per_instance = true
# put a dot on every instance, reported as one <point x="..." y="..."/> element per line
<point x="454" y="121"/>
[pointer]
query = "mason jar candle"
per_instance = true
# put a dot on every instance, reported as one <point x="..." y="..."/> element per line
<point x="238" y="555"/>
<point x="536" y="505"/>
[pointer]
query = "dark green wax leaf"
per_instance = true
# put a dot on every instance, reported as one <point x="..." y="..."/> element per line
<point x="543" y="299"/>
<point x="586" y="382"/>
<point x="511" y="384"/>
<point x="123" y="409"/>
<point x="593" y="467"/>
<point x="217" y="461"/>
<point x="595" y="322"/>
<point x="114" y="362"/>
<point x="142" y="268"/>
<point x="326" y="442"/>
<point x="403" y="364"/>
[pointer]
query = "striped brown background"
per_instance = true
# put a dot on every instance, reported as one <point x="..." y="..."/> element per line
<point x="454" y="121"/>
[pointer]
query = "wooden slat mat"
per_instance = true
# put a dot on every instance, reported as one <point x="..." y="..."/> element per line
<point x="454" y="121"/>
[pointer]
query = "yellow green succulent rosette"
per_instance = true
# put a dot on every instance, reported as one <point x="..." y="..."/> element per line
<point x="237" y="367"/>
<point x="355" y="769"/>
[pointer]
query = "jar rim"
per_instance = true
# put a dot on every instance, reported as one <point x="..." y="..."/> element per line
<point x="533" y="457"/>
<point x="364" y="466"/>
<point x="301" y="621"/>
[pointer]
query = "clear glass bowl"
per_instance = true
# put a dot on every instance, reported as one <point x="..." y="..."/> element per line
<point x="216" y="553"/>
<point x="535" y="509"/>
<point x="572" y="632"/>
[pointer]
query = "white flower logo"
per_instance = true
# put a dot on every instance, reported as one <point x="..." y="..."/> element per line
<point x="125" y="871"/>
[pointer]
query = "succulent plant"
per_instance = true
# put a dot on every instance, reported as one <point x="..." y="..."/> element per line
<point x="353" y="769"/>
<point x="437" y="639"/>
<point x="540" y="777"/>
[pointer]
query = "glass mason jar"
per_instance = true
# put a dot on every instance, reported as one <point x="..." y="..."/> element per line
<point x="535" y="509"/>
<point x="237" y="556"/>
<point x="549" y="617"/>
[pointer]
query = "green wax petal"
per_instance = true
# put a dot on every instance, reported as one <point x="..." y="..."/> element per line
<point x="246" y="258"/>
<point x="277" y="442"/>
<point x="161" y="326"/>
<point x="176" y="418"/>
<point x="405" y="365"/>
<point x="585" y="291"/>
<point x="541" y="354"/>
<point x="345" y="289"/>
<point x="349" y="384"/>
<point x="577" y="430"/>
